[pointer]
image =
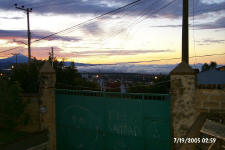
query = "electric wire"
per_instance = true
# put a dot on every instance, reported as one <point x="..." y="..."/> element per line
<point x="193" y="30"/>
<point x="82" y="23"/>
<point x="136" y="62"/>
<point x="74" y="26"/>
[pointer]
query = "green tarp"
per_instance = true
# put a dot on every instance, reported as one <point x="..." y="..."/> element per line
<point x="89" y="120"/>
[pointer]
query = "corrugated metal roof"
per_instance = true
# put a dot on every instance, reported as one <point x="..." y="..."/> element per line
<point x="214" y="129"/>
<point x="211" y="77"/>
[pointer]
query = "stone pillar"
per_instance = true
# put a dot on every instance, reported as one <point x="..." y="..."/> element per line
<point x="183" y="112"/>
<point x="47" y="102"/>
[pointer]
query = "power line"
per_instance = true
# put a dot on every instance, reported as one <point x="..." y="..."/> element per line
<point x="9" y="49"/>
<point x="163" y="7"/>
<point x="136" y="62"/>
<point x="143" y="14"/>
<point x="110" y="12"/>
<point x="113" y="11"/>
<point x="54" y="4"/>
<point x="98" y="17"/>
<point x="211" y="9"/>
<point x="154" y="12"/>
<point x="193" y="29"/>
<point x="176" y="58"/>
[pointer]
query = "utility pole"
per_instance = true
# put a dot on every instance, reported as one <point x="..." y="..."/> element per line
<point x="185" y="57"/>
<point x="27" y="10"/>
<point x="52" y="55"/>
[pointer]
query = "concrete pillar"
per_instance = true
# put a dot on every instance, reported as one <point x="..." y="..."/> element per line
<point x="183" y="112"/>
<point x="47" y="100"/>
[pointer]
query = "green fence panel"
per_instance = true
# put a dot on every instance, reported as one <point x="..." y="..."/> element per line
<point x="90" y="120"/>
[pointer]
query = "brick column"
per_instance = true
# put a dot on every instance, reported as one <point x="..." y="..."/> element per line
<point x="183" y="112"/>
<point x="47" y="100"/>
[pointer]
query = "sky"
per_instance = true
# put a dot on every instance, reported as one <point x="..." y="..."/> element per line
<point x="145" y="31"/>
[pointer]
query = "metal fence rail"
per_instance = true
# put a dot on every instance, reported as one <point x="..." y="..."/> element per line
<point x="149" y="96"/>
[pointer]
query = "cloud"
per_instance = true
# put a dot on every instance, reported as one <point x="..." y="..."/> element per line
<point x="168" y="26"/>
<point x="218" y="24"/>
<point x="210" y="41"/>
<point x="213" y="41"/>
<point x="93" y="29"/>
<point x="131" y="68"/>
<point x="35" y="34"/>
<point x="100" y="6"/>
<point x="11" y="18"/>
<point x="116" y="52"/>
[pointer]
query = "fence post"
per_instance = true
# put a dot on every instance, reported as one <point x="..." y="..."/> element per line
<point x="183" y="112"/>
<point x="47" y="102"/>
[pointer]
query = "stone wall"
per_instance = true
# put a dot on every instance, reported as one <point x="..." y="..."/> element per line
<point x="47" y="101"/>
<point x="191" y="104"/>
<point x="31" y="115"/>
<point x="210" y="100"/>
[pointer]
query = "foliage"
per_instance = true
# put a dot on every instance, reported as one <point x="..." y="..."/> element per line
<point x="8" y="136"/>
<point x="27" y="76"/>
<point x="69" y="78"/>
<point x="161" y="85"/>
<point x="11" y="105"/>
<point x="66" y="77"/>
<point x="210" y="66"/>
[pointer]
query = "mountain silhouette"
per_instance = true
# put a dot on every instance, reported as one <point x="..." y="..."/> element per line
<point x="20" y="59"/>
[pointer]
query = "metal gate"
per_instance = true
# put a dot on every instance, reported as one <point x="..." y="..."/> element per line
<point x="90" y="120"/>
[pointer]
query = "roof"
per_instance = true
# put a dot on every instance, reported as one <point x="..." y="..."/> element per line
<point x="211" y="77"/>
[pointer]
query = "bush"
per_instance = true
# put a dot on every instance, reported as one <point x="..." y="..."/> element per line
<point x="11" y="105"/>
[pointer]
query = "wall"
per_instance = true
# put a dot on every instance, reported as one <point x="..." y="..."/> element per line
<point x="183" y="112"/>
<point x="192" y="104"/>
<point x="210" y="100"/>
<point x="31" y="114"/>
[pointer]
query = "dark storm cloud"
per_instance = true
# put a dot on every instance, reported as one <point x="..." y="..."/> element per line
<point x="101" y="6"/>
<point x="36" y="34"/>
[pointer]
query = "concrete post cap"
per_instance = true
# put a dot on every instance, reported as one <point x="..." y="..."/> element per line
<point x="182" y="69"/>
<point x="47" y="68"/>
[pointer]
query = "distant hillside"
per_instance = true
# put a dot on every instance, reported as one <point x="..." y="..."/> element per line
<point x="108" y="68"/>
<point x="5" y="63"/>
<point x="20" y="59"/>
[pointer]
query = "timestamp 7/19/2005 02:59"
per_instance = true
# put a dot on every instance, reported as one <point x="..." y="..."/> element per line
<point x="194" y="140"/>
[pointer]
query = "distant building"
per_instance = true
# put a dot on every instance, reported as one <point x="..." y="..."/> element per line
<point x="221" y="68"/>
<point x="122" y="87"/>
<point x="211" y="78"/>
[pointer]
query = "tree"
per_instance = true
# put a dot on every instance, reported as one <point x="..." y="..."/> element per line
<point x="207" y="67"/>
<point x="160" y="84"/>
<point x="11" y="105"/>
<point x="27" y="75"/>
